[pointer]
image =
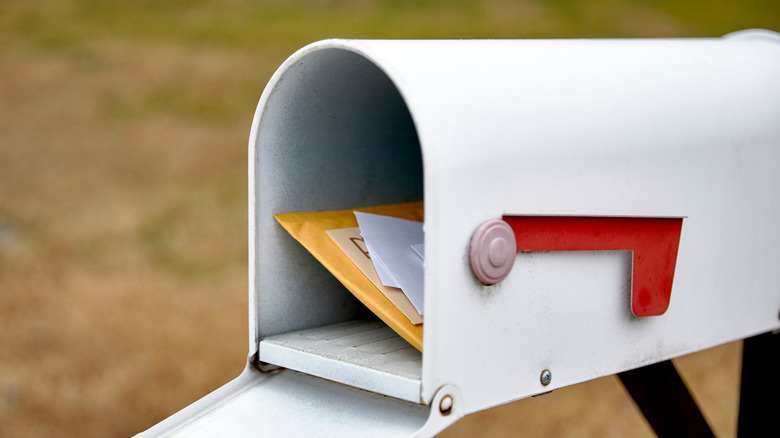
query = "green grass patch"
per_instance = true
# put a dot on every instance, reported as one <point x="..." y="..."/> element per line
<point x="262" y="24"/>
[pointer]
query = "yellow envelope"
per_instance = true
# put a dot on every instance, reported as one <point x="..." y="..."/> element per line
<point x="311" y="230"/>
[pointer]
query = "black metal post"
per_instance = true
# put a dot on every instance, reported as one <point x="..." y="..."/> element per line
<point x="759" y="409"/>
<point x="663" y="398"/>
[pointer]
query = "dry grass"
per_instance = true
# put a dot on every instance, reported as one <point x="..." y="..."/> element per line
<point x="123" y="131"/>
<point x="123" y="269"/>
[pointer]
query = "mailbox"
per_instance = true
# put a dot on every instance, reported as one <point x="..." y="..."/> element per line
<point x="635" y="188"/>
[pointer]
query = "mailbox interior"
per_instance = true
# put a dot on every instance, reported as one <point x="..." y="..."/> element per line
<point x="332" y="132"/>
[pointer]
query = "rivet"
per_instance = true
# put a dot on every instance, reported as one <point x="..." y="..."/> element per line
<point x="445" y="406"/>
<point x="546" y="377"/>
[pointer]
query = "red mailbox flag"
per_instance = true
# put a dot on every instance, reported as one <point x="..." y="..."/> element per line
<point x="654" y="242"/>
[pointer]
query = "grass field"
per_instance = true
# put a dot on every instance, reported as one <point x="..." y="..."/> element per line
<point x="123" y="199"/>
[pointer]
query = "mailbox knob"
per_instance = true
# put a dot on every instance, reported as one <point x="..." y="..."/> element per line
<point x="493" y="251"/>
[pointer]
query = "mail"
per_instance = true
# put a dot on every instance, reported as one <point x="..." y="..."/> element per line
<point x="311" y="230"/>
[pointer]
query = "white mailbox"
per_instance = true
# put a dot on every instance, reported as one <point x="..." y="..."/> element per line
<point x="637" y="180"/>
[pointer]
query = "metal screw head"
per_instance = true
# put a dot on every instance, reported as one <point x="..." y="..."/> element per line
<point x="445" y="406"/>
<point x="546" y="377"/>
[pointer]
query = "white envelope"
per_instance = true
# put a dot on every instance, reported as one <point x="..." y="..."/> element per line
<point x="389" y="240"/>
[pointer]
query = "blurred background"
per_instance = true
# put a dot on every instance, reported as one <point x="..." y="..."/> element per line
<point x="123" y="197"/>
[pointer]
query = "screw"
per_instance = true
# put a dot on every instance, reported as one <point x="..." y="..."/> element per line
<point x="445" y="407"/>
<point x="546" y="377"/>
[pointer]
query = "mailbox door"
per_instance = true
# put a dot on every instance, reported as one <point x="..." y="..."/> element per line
<point x="286" y="403"/>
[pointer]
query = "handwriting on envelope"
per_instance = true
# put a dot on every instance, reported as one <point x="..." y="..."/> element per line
<point x="353" y="245"/>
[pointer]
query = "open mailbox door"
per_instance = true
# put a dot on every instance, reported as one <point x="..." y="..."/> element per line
<point x="636" y="189"/>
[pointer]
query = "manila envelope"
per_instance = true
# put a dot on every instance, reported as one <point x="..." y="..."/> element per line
<point x="310" y="229"/>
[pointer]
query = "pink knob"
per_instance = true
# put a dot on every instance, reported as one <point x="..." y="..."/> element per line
<point x="493" y="251"/>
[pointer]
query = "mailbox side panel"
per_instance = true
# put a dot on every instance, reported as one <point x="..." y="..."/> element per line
<point x="646" y="128"/>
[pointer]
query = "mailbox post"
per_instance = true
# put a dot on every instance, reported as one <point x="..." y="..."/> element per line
<point x="638" y="179"/>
